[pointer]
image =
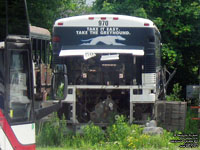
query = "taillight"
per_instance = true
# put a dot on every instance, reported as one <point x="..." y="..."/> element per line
<point x="60" y="23"/>
<point x="103" y="18"/>
<point x="56" y="39"/>
<point x="91" y="18"/>
<point x="146" y="24"/>
<point x="115" y="18"/>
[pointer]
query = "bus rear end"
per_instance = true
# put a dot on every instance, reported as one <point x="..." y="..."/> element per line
<point x="112" y="65"/>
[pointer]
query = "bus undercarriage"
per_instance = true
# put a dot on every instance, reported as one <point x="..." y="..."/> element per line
<point x="86" y="104"/>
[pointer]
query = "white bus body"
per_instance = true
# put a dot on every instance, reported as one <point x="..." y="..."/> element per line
<point x="113" y="64"/>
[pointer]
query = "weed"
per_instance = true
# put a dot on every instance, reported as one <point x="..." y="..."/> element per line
<point x="176" y="93"/>
<point x="93" y="134"/>
<point x="52" y="133"/>
<point x="191" y="126"/>
<point x="118" y="131"/>
<point x="120" y="135"/>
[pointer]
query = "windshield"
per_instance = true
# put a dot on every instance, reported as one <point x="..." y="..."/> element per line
<point x="20" y="103"/>
<point x="67" y="38"/>
<point x="70" y="41"/>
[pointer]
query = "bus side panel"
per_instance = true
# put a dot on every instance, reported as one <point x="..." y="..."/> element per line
<point x="4" y="142"/>
<point x="9" y="136"/>
<point x="25" y="138"/>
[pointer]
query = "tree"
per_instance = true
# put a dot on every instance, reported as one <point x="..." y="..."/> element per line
<point x="179" y="24"/>
<point x="43" y="13"/>
<point x="126" y="7"/>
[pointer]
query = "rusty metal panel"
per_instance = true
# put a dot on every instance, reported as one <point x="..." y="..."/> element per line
<point x="43" y="81"/>
<point x="45" y="75"/>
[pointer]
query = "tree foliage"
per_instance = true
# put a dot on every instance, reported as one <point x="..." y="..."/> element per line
<point x="126" y="7"/>
<point x="13" y="18"/>
<point x="43" y="13"/>
<point x="179" y="24"/>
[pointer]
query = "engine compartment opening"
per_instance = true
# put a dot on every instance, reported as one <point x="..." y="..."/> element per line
<point x="101" y="106"/>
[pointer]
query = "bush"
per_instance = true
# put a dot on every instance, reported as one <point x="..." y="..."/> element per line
<point x="93" y="134"/>
<point x="52" y="132"/>
<point x="120" y="135"/>
<point x="118" y="131"/>
<point x="176" y="93"/>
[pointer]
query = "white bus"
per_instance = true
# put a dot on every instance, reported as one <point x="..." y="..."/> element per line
<point x="113" y="66"/>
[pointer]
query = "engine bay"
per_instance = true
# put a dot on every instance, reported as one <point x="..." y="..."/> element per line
<point x="101" y="106"/>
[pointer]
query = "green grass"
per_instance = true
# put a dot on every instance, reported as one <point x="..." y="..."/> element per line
<point x="118" y="136"/>
<point x="85" y="148"/>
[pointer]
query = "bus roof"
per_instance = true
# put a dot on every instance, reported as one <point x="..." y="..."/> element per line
<point x="114" y="21"/>
<point x="41" y="33"/>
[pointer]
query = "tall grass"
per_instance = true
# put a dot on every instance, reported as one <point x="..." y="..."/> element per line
<point x="93" y="134"/>
<point x="52" y="132"/>
<point x="191" y="126"/>
<point x="118" y="136"/>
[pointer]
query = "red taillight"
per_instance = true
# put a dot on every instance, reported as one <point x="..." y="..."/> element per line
<point x="91" y="18"/>
<point x="56" y="39"/>
<point x="146" y="24"/>
<point x="103" y="18"/>
<point x="115" y="18"/>
<point x="60" y="23"/>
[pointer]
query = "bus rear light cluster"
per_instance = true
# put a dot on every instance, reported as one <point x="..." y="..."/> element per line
<point x="91" y="18"/>
<point x="146" y="24"/>
<point x="103" y="18"/>
<point x="60" y="23"/>
<point x="56" y="39"/>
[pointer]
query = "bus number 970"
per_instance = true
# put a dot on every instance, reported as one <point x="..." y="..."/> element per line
<point x="103" y="23"/>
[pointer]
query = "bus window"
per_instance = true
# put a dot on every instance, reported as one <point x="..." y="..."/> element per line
<point x="40" y="51"/>
<point x="1" y="80"/>
<point x="20" y="103"/>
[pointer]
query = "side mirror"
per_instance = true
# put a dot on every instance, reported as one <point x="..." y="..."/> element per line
<point x="59" y="82"/>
